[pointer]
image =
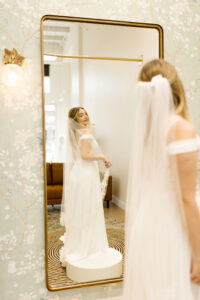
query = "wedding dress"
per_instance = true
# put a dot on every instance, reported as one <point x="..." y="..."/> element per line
<point x="84" y="216"/>
<point x="158" y="252"/>
<point x="181" y="147"/>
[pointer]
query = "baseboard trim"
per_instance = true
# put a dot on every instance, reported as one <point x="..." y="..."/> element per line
<point x="118" y="202"/>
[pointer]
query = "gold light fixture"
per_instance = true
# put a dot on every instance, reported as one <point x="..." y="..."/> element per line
<point x="12" y="72"/>
<point x="12" y="57"/>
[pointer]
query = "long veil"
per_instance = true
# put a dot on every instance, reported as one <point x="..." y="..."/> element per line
<point x="71" y="155"/>
<point x="154" y="105"/>
<point x="151" y="201"/>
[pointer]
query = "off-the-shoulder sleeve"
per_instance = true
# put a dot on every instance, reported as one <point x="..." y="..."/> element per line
<point x="86" y="136"/>
<point x="184" y="146"/>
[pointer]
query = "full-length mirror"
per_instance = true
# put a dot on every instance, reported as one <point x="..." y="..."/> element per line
<point x="89" y="70"/>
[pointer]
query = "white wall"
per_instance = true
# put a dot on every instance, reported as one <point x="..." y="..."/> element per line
<point x="60" y="95"/>
<point x="108" y="90"/>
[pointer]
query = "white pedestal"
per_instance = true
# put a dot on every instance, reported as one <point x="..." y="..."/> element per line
<point x="103" y="265"/>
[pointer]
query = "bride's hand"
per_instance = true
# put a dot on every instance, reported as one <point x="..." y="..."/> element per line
<point x="107" y="163"/>
<point x="195" y="272"/>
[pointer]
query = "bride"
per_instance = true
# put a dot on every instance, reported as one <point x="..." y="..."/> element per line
<point x="82" y="208"/>
<point x="162" y="214"/>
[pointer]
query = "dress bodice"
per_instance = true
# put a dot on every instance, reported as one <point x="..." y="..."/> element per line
<point x="94" y="147"/>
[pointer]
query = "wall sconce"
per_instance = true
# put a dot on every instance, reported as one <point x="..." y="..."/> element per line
<point x="11" y="71"/>
<point x="12" y="57"/>
<point x="17" y="83"/>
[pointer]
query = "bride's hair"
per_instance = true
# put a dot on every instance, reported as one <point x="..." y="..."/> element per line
<point x="73" y="113"/>
<point x="159" y="66"/>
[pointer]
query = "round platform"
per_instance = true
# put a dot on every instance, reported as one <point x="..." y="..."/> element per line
<point x="99" y="266"/>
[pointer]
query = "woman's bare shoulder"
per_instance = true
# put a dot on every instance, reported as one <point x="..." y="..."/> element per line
<point x="185" y="129"/>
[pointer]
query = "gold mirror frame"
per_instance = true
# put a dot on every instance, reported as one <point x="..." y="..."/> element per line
<point x="94" y="21"/>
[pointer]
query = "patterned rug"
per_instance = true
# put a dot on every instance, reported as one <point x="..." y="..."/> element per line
<point x="57" y="276"/>
<point x="112" y="221"/>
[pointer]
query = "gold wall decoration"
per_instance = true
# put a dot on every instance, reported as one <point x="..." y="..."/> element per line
<point x="12" y="57"/>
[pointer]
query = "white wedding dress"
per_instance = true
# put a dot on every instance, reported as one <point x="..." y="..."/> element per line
<point x="184" y="146"/>
<point x="85" y="230"/>
<point x="159" y="254"/>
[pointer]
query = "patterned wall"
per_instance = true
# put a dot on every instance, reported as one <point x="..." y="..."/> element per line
<point x="22" y="275"/>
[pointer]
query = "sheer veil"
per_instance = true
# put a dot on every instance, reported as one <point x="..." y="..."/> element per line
<point x="149" y="185"/>
<point x="71" y="154"/>
<point x="154" y="106"/>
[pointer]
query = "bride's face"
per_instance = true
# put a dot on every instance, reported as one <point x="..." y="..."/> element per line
<point x="83" y="117"/>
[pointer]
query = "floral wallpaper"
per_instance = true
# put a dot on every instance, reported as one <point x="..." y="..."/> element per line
<point x="22" y="275"/>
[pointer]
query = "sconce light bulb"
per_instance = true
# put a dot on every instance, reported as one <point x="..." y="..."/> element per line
<point x="12" y="76"/>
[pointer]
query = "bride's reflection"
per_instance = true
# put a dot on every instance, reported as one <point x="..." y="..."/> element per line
<point x="82" y="214"/>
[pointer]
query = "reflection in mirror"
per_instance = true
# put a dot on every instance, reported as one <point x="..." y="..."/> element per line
<point x="93" y="65"/>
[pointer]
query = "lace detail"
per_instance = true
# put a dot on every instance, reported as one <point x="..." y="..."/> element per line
<point x="104" y="183"/>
